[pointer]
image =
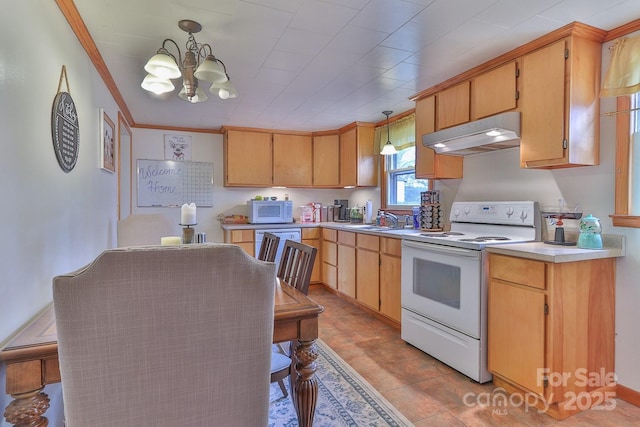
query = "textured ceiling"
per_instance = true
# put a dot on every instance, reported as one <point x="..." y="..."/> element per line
<point x="321" y="64"/>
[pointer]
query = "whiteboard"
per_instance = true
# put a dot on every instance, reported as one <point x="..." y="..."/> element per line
<point x="173" y="183"/>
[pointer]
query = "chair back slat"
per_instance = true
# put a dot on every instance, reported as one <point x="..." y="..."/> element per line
<point x="268" y="247"/>
<point x="296" y="264"/>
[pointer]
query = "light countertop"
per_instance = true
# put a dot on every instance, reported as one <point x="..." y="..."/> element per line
<point x="614" y="246"/>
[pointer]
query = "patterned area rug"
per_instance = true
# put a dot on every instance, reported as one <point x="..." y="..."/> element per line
<point x="344" y="398"/>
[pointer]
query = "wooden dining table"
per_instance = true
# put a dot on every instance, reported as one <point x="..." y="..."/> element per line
<point x="31" y="358"/>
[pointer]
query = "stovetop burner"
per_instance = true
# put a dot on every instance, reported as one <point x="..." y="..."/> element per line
<point x="445" y="234"/>
<point x="485" y="239"/>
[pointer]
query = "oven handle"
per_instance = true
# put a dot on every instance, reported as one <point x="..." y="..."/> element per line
<point x="447" y="250"/>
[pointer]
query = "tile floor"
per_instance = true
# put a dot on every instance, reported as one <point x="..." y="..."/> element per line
<point x="426" y="391"/>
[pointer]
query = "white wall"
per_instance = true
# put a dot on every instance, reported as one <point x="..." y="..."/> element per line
<point x="52" y="222"/>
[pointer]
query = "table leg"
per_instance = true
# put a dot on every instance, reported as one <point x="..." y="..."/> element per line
<point x="27" y="409"/>
<point x="304" y="388"/>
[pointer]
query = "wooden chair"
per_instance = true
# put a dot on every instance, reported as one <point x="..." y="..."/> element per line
<point x="268" y="247"/>
<point x="295" y="268"/>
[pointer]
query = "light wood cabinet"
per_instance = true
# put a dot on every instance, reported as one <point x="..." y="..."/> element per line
<point x="358" y="163"/>
<point x="429" y="164"/>
<point x="368" y="270"/>
<point x="551" y="330"/>
<point x="559" y="103"/>
<point x="326" y="161"/>
<point x="243" y="238"/>
<point x="292" y="160"/>
<point x="390" y="251"/>
<point x="495" y="91"/>
<point x="452" y="106"/>
<point x="347" y="263"/>
<point x="311" y="237"/>
<point x="248" y="159"/>
<point x="329" y="258"/>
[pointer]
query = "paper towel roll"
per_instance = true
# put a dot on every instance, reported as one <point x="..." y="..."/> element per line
<point x="368" y="212"/>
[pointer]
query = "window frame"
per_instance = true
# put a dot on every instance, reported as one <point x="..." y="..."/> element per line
<point x="384" y="186"/>
<point x="621" y="217"/>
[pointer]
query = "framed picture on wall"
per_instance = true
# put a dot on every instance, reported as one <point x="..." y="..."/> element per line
<point x="107" y="143"/>
<point x="177" y="147"/>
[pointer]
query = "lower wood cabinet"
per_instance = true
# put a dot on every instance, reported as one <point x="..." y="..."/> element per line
<point x="368" y="270"/>
<point x="329" y="258"/>
<point x="347" y="263"/>
<point x="311" y="237"/>
<point x="390" y="250"/>
<point x="243" y="238"/>
<point x="551" y="331"/>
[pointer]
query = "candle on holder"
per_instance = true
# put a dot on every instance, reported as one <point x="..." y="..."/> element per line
<point x="188" y="214"/>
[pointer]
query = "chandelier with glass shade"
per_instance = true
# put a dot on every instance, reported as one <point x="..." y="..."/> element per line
<point x="198" y="66"/>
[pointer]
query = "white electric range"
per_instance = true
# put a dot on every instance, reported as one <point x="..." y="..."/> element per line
<point x="444" y="280"/>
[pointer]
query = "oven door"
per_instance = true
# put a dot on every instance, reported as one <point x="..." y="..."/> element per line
<point x="444" y="284"/>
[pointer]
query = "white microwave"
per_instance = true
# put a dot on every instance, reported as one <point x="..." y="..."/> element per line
<point x="270" y="211"/>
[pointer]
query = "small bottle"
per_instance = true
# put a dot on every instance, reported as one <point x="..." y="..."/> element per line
<point x="382" y="219"/>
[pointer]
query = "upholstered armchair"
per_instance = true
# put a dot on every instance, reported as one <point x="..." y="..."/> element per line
<point x="166" y="335"/>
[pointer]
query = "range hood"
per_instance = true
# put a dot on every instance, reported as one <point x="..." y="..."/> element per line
<point x="491" y="133"/>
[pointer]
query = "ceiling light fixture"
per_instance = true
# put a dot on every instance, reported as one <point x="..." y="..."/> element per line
<point x="199" y="65"/>
<point x="388" y="148"/>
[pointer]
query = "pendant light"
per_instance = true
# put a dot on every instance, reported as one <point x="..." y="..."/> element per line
<point x="388" y="149"/>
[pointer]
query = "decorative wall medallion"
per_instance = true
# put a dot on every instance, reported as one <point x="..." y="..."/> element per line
<point x="65" y="131"/>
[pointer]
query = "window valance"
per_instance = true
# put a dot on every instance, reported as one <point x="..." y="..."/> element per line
<point x="402" y="133"/>
<point x="623" y="74"/>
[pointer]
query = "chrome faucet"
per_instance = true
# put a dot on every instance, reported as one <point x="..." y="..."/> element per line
<point x="393" y="218"/>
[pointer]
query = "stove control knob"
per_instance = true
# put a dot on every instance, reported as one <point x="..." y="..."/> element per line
<point x="456" y="213"/>
<point x="523" y="214"/>
<point x="509" y="212"/>
<point x="467" y="209"/>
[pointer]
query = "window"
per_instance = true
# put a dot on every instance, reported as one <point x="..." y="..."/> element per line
<point x="403" y="189"/>
<point x="400" y="188"/>
<point x="627" y="204"/>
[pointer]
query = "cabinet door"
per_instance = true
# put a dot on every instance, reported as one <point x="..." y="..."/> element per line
<point x="516" y="334"/>
<point x="315" y="272"/>
<point x="368" y="278"/>
<point x="248" y="159"/>
<point x="453" y="106"/>
<point x="367" y="157"/>
<point x="329" y="258"/>
<point x="292" y="160"/>
<point x="390" y="286"/>
<point x="348" y="158"/>
<point x="543" y="104"/>
<point x="494" y="91"/>
<point x="430" y="165"/>
<point x="347" y="270"/>
<point x="326" y="161"/>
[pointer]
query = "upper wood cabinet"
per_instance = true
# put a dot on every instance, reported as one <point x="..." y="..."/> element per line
<point x="326" y="160"/>
<point x="247" y="159"/>
<point x="358" y="163"/>
<point x="495" y="91"/>
<point x="292" y="160"/>
<point x="453" y="106"/>
<point x="430" y="165"/>
<point x="559" y="103"/>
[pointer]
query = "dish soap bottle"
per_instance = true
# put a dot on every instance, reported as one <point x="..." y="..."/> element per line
<point x="590" y="233"/>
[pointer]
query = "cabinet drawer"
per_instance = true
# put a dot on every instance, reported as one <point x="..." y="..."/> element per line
<point x="311" y="233"/>
<point x="329" y="253"/>
<point x="391" y="246"/>
<point x="517" y="270"/>
<point x="330" y="235"/>
<point x="367" y="241"/>
<point x="238" y="236"/>
<point x="347" y="238"/>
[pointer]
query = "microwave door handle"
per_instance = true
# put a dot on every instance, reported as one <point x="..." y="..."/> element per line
<point x="447" y="250"/>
